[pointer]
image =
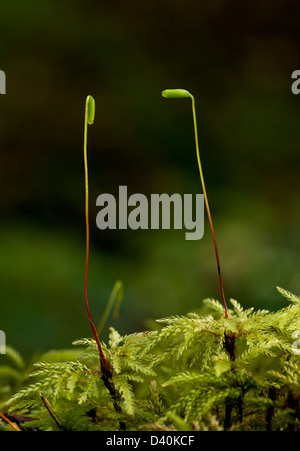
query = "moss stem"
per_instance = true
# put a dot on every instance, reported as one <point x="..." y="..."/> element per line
<point x="207" y="206"/>
<point x="103" y="359"/>
<point x="105" y="365"/>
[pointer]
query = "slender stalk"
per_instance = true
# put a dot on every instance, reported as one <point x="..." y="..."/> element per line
<point x="115" y="300"/>
<point x="50" y="410"/>
<point x="89" y="119"/>
<point x="230" y="346"/>
<point x="183" y="94"/>
<point x="207" y="206"/>
<point x="105" y="365"/>
<point x="9" y="422"/>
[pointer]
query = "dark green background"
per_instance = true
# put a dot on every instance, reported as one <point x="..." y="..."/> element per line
<point x="237" y="59"/>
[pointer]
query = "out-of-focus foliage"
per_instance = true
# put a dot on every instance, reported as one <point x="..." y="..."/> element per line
<point x="196" y="372"/>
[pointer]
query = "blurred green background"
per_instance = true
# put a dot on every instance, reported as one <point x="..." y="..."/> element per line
<point x="237" y="59"/>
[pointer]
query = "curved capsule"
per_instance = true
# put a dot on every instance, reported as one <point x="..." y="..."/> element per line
<point x="176" y="94"/>
<point x="90" y="108"/>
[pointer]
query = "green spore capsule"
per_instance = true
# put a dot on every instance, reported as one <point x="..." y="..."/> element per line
<point x="176" y="94"/>
<point x="90" y="108"/>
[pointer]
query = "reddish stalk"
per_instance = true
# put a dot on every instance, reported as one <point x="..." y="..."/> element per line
<point x="208" y="209"/>
<point x="9" y="422"/>
<point x="50" y="410"/>
<point x="105" y="365"/>
<point x="89" y="119"/>
<point x="181" y="94"/>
